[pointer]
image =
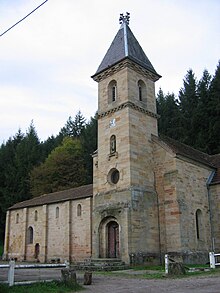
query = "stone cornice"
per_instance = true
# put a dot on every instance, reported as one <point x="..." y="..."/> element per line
<point x="123" y="64"/>
<point x="129" y="105"/>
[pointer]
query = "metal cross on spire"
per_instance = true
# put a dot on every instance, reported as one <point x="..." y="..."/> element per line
<point x="124" y="18"/>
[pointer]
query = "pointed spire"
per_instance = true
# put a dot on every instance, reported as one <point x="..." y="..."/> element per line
<point x="125" y="45"/>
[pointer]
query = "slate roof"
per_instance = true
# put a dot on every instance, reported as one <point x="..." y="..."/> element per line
<point x="59" y="196"/>
<point x="125" y="45"/>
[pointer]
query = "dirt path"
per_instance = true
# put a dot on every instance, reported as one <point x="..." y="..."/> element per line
<point x="103" y="284"/>
<point x="127" y="283"/>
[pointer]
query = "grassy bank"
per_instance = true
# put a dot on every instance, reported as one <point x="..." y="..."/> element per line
<point x="53" y="287"/>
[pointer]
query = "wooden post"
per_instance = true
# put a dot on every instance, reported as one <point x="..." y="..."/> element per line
<point x="87" y="278"/>
<point x="11" y="273"/>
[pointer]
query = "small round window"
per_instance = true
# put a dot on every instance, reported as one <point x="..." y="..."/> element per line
<point x="113" y="176"/>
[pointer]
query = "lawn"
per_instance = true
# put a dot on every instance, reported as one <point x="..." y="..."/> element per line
<point x="53" y="287"/>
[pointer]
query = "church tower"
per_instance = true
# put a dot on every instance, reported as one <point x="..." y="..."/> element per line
<point x="125" y="213"/>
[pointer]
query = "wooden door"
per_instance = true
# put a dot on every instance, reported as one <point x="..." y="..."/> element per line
<point x="113" y="240"/>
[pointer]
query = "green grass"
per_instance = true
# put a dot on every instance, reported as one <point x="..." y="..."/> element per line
<point x="151" y="268"/>
<point x="158" y="272"/>
<point x="53" y="287"/>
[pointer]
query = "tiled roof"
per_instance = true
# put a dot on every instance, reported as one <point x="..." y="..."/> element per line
<point x="184" y="150"/>
<point x="215" y="159"/>
<point x="125" y="45"/>
<point x="59" y="196"/>
<point x="187" y="151"/>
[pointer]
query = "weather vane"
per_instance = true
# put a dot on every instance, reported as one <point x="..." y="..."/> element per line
<point x="124" y="18"/>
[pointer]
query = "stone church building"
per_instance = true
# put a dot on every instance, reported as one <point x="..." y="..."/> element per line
<point x="150" y="195"/>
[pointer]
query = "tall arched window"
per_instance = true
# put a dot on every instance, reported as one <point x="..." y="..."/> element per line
<point x="79" y="210"/>
<point x="142" y="92"/>
<point x="35" y="216"/>
<point x="30" y="235"/>
<point x="199" y="224"/>
<point x="112" y="91"/>
<point x="57" y="212"/>
<point x="112" y="144"/>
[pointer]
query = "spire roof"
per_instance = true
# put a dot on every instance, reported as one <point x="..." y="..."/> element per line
<point x="125" y="45"/>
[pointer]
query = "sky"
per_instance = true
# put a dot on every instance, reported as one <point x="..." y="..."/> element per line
<point x="47" y="60"/>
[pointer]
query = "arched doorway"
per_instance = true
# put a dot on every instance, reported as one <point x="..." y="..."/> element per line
<point x="112" y="239"/>
<point x="109" y="238"/>
<point x="37" y="251"/>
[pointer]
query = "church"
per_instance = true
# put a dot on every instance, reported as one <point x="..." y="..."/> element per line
<point x="150" y="195"/>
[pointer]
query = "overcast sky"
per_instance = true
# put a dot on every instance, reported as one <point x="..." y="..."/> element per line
<point x="47" y="60"/>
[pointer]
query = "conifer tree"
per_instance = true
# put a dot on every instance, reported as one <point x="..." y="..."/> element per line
<point x="214" y="114"/>
<point x="188" y="97"/>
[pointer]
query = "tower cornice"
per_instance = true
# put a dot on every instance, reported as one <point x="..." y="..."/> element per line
<point x="125" y="63"/>
<point x="128" y="105"/>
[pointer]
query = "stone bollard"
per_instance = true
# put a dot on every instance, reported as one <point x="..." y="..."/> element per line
<point x="68" y="276"/>
<point x="176" y="268"/>
<point x="87" y="278"/>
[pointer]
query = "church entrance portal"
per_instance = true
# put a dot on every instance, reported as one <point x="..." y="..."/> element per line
<point x="113" y="240"/>
<point x="109" y="238"/>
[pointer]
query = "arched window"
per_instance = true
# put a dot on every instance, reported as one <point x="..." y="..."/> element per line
<point x="30" y="235"/>
<point x="142" y="92"/>
<point x="199" y="224"/>
<point x="79" y="210"/>
<point x="112" y="91"/>
<point x="35" y="216"/>
<point x="57" y="212"/>
<point x="112" y="144"/>
<point x="17" y="218"/>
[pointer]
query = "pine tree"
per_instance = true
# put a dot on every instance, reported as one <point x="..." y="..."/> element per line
<point x="214" y="114"/>
<point x="201" y="115"/>
<point x="89" y="144"/>
<point x="188" y="98"/>
<point x="168" y="123"/>
<point x="74" y="127"/>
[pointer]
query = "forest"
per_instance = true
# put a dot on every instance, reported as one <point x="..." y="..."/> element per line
<point x="30" y="167"/>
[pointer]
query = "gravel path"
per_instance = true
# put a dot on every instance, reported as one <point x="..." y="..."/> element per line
<point x="103" y="284"/>
<point x="128" y="283"/>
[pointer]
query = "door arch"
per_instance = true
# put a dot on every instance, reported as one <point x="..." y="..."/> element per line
<point x="109" y="238"/>
<point x="112" y="239"/>
<point x="36" y="251"/>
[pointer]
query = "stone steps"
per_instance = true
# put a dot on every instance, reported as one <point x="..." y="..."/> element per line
<point x="100" y="264"/>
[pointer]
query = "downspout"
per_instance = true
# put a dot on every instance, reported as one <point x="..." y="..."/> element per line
<point x="209" y="180"/>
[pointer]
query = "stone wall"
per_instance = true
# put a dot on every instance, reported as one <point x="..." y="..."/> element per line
<point x="214" y="194"/>
<point x="58" y="230"/>
<point x="182" y="191"/>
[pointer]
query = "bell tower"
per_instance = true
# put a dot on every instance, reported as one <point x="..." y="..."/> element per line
<point x="124" y="207"/>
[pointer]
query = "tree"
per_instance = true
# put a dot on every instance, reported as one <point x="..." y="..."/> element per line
<point x="201" y="115"/>
<point x="89" y="144"/>
<point x="74" y="127"/>
<point x="17" y="158"/>
<point x="188" y="98"/>
<point x="214" y="114"/>
<point x="62" y="169"/>
<point x="168" y="123"/>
